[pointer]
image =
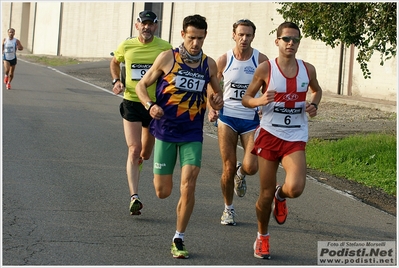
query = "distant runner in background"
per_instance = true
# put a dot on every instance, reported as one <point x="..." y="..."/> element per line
<point x="10" y="46"/>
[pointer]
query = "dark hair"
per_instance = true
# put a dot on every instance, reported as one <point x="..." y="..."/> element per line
<point x="287" y="24"/>
<point x="196" y="21"/>
<point x="244" y="22"/>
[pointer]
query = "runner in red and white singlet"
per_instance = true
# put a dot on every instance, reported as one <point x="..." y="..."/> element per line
<point x="283" y="131"/>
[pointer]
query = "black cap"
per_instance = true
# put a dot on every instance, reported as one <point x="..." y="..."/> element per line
<point x="147" y="15"/>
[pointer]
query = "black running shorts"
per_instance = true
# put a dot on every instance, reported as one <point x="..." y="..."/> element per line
<point x="135" y="112"/>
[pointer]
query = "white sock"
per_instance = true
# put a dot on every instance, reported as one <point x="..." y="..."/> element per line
<point x="239" y="172"/>
<point x="228" y="207"/>
<point x="259" y="235"/>
<point x="178" y="235"/>
<point x="278" y="196"/>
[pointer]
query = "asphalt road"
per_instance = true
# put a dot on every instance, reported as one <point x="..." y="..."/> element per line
<point x="65" y="194"/>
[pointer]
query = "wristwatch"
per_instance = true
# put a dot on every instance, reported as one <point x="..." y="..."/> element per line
<point x="115" y="80"/>
<point x="315" y="105"/>
<point x="148" y="105"/>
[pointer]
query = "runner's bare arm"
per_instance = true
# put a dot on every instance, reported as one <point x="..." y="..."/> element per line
<point x="115" y="69"/>
<point x="215" y="94"/>
<point x="259" y="80"/>
<point x="213" y="114"/>
<point x="19" y="45"/>
<point x="151" y="76"/>
<point x="315" y="91"/>
<point x="162" y="65"/>
<point x="262" y="58"/>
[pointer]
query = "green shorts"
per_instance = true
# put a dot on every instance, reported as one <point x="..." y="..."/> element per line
<point x="165" y="155"/>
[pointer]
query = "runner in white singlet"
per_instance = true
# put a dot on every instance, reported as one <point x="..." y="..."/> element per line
<point x="235" y="70"/>
<point x="10" y="47"/>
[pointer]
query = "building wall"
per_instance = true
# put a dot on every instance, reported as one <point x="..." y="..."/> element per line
<point x="94" y="29"/>
<point x="46" y="31"/>
<point x="12" y="14"/>
<point x="384" y="80"/>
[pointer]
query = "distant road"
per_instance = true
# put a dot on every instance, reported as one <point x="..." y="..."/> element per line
<point x="65" y="195"/>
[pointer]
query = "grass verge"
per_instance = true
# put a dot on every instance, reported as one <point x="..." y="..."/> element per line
<point x="367" y="159"/>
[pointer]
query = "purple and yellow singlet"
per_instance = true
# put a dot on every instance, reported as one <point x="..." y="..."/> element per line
<point x="182" y="95"/>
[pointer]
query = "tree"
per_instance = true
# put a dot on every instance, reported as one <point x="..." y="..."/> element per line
<point x="369" y="26"/>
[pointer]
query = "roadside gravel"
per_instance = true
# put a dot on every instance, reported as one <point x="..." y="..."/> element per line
<point x="334" y="121"/>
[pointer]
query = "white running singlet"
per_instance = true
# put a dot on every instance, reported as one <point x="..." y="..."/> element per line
<point x="286" y="118"/>
<point x="236" y="77"/>
<point x="10" y="48"/>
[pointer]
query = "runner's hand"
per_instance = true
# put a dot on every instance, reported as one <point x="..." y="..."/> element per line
<point x="118" y="88"/>
<point x="213" y="115"/>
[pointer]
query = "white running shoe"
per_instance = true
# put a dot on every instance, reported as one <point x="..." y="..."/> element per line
<point x="228" y="217"/>
<point x="240" y="185"/>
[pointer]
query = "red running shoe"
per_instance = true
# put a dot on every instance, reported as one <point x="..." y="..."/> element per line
<point x="280" y="210"/>
<point x="261" y="248"/>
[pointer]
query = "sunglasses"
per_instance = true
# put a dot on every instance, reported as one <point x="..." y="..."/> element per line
<point x="287" y="39"/>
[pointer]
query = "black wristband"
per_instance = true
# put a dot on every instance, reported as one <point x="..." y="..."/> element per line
<point x="115" y="80"/>
<point x="149" y="105"/>
<point x="149" y="109"/>
<point x="315" y="105"/>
